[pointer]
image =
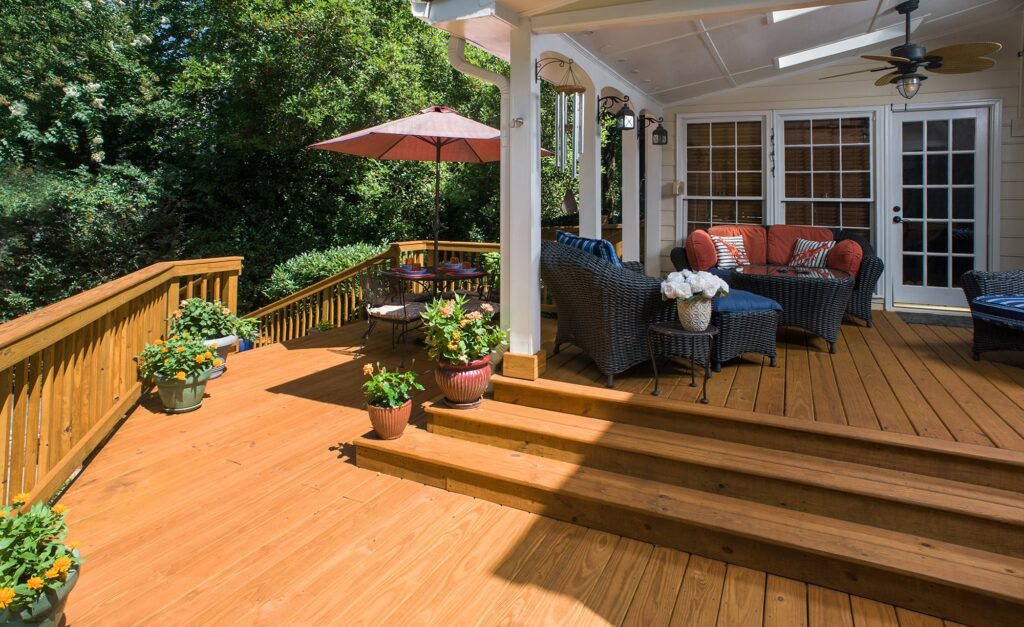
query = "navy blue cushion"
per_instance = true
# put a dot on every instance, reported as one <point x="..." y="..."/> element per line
<point x="598" y="247"/>
<point x="1004" y="309"/>
<point x="739" y="301"/>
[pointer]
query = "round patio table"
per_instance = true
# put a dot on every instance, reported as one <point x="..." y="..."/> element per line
<point x="812" y="298"/>
<point x="429" y="280"/>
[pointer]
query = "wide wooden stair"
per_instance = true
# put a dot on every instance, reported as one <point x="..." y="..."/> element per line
<point x="924" y="524"/>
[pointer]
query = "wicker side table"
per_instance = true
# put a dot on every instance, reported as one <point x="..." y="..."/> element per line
<point x="668" y="339"/>
<point x="814" y="299"/>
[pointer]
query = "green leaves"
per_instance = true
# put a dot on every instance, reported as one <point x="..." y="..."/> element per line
<point x="206" y="320"/>
<point x="386" y="388"/>
<point x="32" y="545"/>
<point x="176" y="358"/>
<point x="457" y="336"/>
<point x="307" y="268"/>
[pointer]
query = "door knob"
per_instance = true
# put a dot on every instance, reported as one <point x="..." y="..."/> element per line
<point x="896" y="219"/>
<point x="896" y="209"/>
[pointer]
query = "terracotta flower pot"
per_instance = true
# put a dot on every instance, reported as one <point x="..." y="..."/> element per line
<point x="390" y="422"/>
<point x="464" y="384"/>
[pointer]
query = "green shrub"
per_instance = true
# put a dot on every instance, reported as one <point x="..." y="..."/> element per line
<point x="307" y="268"/>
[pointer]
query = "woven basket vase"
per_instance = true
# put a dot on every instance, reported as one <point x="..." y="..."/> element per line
<point x="694" y="315"/>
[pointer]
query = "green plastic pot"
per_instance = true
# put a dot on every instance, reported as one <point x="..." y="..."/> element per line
<point x="179" y="397"/>
<point x="47" y="611"/>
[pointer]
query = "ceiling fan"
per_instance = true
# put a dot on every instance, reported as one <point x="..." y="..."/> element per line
<point x="906" y="59"/>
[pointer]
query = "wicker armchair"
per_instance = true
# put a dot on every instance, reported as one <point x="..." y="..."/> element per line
<point x="990" y="336"/>
<point x="603" y="309"/>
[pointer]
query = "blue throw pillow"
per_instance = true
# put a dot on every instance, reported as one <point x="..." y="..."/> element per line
<point x="598" y="247"/>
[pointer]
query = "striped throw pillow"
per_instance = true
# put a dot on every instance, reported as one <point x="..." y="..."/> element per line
<point x="601" y="248"/>
<point x="810" y="254"/>
<point x="731" y="251"/>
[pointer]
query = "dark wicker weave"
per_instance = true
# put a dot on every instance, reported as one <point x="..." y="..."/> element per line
<point x="603" y="309"/>
<point x="813" y="303"/>
<point x="989" y="336"/>
<point x="744" y="332"/>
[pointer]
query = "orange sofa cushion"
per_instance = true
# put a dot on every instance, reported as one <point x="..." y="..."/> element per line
<point x="782" y="238"/>
<point x="700" y="251"/>
<point x="845" y="255"/>
<point x="754" y="239"/>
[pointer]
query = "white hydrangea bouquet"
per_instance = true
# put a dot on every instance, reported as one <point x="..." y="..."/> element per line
<point x="693" y="292"/>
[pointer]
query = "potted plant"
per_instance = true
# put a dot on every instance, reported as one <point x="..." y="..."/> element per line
<point x="215" y="324"/>
<point x="461" y="343"/>
<point x="389" y="399"/>
<point x="693" y="292"/>
<point x="181" y="366"/>
<point x="247" y="330"/>
<point x="38" y="567"/>
<point x="320" y="327"/>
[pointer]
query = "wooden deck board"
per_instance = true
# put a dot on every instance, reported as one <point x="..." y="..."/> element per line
<point x="250" y="511"/>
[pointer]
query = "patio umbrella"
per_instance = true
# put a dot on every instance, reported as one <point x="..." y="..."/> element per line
<point x="435" y="134"/>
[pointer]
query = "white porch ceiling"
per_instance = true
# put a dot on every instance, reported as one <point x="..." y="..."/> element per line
<point x="726" y="44"/>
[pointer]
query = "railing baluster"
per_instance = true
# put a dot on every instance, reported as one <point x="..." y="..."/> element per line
<point x="6" y="409"/>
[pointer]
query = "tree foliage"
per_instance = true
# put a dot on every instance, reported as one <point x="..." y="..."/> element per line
<point x="133" y="131"/>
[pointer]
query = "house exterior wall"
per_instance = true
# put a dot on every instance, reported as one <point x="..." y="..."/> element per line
<point x="805" y="91"/>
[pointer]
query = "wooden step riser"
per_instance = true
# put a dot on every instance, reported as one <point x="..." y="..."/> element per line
<point x="928" y="597"/>
<point x="997" y="536"/>
<point x="853" y="445"/>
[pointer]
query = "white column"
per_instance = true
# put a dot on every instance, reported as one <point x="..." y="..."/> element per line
<point x="631" y="195"/>
<point x="590" y="168"/>
<point x="520" y="245"/>
<point x="652" y="202"/>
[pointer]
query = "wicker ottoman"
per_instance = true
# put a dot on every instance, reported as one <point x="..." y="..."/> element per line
<point x="747" y="323"/>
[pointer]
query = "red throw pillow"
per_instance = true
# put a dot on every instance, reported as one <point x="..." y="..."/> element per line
<point x="700" y="251"/>
<point x="845" y="255"/>
<point x="782" y="238"/>
<point x="731" y="251"/>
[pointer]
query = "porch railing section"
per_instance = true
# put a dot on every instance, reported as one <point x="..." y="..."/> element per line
<point x="338" y="299"/>
<point x="67" y="371"/>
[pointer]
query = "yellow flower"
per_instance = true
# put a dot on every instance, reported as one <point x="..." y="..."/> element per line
<point x="217" y="362"/>
<point x="34" y="583"/>
<point x="455" y="336"/>
<point x="174" y="337"/>
<point x="180" y="375"/>
<point x="53" y="573"/>
<point x="3" y="513"/>
<point x="452" y="346"/>
<point x="200" y="359"/>
<point x="367" y="369"/>
<point x="6" y="597"/>
<point x="74" y="544"/>
<point x="158" y="342"/>
<point x="180" y="349"/>
<point x="62" y="564"/>
<point x="59" y="508"/>
<point x="165" y="350"/>
<point x="208" y="354"/>
<point x="21" y="497"/>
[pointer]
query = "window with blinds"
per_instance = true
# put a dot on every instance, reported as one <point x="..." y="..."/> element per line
<point x="724" y="173"/>
<point x="827" y="170"/>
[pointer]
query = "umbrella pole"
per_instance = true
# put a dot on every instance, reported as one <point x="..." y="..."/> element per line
<point x="437" y="205"/>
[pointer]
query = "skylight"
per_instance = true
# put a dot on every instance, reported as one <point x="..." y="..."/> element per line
<point x="895" y="31"/>
<point x="782" y="16"/>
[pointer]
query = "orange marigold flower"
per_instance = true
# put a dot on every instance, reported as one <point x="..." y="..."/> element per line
<point x="21" y="497"/>
<point x="62" y="564"/>
<point x="59" y="508"/>
<point x="180" y="349"/>
<point x="74" y="544"/>
<point x="6" y="597"/>
<point x="200" y="359"/>
<point x="180" y="375"/>
<point x="3" y="513"/>
<point x="158" y="342"/>
<point x="165" y="350"/>
<point x="52" y="573"/>
<point x="217" y="362"/>
<point x="34" y="583"/>
<point x="208" y="354"/>
<point x="367" y="369"/>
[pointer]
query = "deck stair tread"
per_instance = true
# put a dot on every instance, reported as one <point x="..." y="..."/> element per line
<point x="933" y="492"/>
<point x="925" y="559"/>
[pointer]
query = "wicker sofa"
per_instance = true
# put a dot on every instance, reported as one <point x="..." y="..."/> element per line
<point x="603" y="309"/>
<point x="998" y="325"/>
<point x="772" y="245"/>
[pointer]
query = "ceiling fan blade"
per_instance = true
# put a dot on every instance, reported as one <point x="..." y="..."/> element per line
<point x="884" y="58"/>
<point x="968" y="50"/>
<point x="885" y="80"/>
<point x="877" y="69"/>
<point x="963" y="66"/>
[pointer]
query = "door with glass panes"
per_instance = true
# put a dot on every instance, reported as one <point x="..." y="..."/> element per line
<point x="939" y="226"/>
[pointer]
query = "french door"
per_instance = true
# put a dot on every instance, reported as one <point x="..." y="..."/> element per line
<point x="939" y="226"/>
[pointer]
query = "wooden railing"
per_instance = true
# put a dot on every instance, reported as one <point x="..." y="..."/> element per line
<point x="67" y="371"/>
<point x="338" y="299"/>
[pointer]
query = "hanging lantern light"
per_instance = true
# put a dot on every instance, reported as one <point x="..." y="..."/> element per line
<point x="625" y="119"/>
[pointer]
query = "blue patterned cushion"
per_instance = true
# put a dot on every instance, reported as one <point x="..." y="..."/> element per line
<point x="738" y="301"/>
<point x="1007" y="310"/>
<point x="598" y="247"/>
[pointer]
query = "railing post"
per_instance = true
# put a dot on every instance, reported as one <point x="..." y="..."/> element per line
<point x="229" y="291"/>
<point x="173" y="295"/>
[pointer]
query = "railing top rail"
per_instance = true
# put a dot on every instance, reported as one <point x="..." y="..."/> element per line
<point x="41" y="328"/>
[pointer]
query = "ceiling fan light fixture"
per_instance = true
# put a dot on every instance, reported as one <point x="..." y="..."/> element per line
<point x="909" y="84"/>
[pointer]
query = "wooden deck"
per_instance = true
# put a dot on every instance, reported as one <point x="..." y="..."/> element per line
<point x="249" y="510"/>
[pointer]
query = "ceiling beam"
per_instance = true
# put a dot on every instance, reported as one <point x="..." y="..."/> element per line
<point x="652" y="11"/>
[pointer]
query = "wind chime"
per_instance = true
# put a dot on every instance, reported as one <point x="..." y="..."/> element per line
<point x="568" y="121"/>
